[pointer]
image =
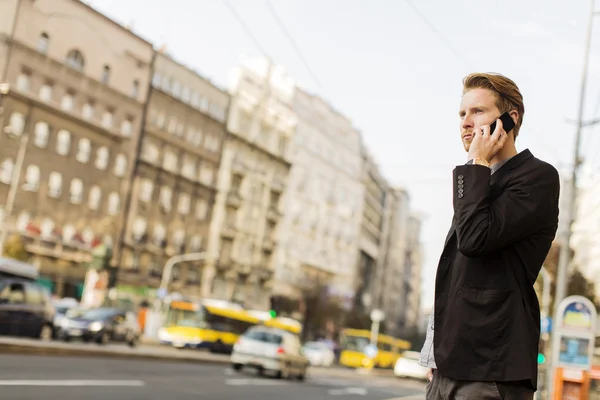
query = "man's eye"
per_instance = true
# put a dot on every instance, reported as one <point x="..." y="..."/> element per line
<point x="478" y="111"/>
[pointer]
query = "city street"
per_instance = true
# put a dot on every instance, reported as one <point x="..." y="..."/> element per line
<point x="25" y="377"/>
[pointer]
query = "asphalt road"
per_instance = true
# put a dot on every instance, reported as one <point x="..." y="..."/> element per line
<point x="27" y="377"/>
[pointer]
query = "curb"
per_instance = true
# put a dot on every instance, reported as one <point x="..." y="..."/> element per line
<point x="103" y="353"/>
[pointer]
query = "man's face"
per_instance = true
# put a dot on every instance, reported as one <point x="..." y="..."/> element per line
<point x="477" y="108"/>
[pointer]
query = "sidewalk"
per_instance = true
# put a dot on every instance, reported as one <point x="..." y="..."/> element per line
<point x="148" y="350"/>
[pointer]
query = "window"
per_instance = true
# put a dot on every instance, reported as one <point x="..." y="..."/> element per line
<point x="76" y="191"/>
<point x="46" y="93"/>
<point x="166" y="84"/>
<point x="204" y="104"/>
<point x="107" y="119"/>
<point x="43" y="43"/>
<point x="105" y="75"/>
<point x="84" y="150"/>
<point x="63" y="142"/>
<point x="201" y="209"/>
<point x="23" y="82"/>
<point x="23" y="221"/>
<point x="176" y="89"/>
<point x="41" y="134"/>
<point x="139" y="227"/>
<point x="69" y="233"/>
<point x="184" y="204"/>
<point x="146" y="188"/>
<point x="95" y="198"/>
<point x="172" y="125"/>
<point x="102" y="157"/>
<point x="75" y="60"/>
<point x="189" y="168"/>
<point x="32" y="178"/>
<point x="159" y="234"/>
<point x="13" y="293"/>
<point x="127" y="127"/>
<point x="47" y="228"/>
<point x="196" y="243"/>
<point x="179" y="129"/>
<point x="165" y="198"/>
<point x="179" y="237"/>
<point x="120" y="165"/>
<point x="195" y="100"/>
<point x="6" y="171"/>
<point x="170" y="161"/>
<point x="206" y="174"/>
<point x="186" y="94"/>
<point x="113" y="203"/>
<point x="156" y="79"/>
<point x="135" y="89"/>
<point x="88" y="111"/>
<point x="55" y="184"/>
<point x="160" y="120"/>
<point x="16" y="123"/>
<point x="67" y="102"/>
<point x="150" y="152"/>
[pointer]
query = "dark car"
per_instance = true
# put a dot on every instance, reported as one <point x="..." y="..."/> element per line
<point x="25" y="307"/>
<point x="101" y="325"/>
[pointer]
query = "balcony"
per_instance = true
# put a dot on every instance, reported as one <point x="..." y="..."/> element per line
<point x="234" y="198"/>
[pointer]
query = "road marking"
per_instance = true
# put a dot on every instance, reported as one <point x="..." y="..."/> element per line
<point x="253" y="382"/>
<point x="70" y="382"/>
<point x="354" y="391"/>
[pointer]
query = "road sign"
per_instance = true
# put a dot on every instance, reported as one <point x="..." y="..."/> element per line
<point x="546" y="325"/>
<point x="377" y="315"/>
<point x="371" y="350"/>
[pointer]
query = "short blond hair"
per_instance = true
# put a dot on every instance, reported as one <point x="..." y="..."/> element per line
<point x="508" y="95"/>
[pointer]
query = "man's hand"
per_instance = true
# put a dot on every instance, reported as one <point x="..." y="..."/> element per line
<point x="487" y="144"/>
<point x="429" y="374"/>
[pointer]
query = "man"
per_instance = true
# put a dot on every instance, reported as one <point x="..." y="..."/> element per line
<point x="483" y="337"/>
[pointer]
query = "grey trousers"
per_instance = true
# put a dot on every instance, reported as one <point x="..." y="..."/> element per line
<point x="442" y="388"/>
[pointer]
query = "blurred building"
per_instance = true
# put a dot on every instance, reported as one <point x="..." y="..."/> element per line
<point x="251" y="184"/>
<point x="175" y="178"/>
<point x="372" y="247"/>
<point x="323" y="205"/>
<point x="78" y="83"/>
<point x="413" y="268"/>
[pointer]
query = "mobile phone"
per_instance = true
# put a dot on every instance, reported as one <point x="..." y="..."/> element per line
<point x="507" y="123"/>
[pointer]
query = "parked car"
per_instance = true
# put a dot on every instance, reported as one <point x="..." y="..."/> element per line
<point x="407" y="366"/>
<point x="63" y="307"/>
<point x="25" y="307"/>
<point x="270" y="350"/>
<point x="101" y="325"/>
<point x="318" y="354"/>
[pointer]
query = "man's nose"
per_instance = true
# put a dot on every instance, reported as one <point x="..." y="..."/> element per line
<point x="466" y="123"/>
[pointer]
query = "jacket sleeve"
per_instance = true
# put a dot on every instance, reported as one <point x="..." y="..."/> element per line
<point x="527" y="204"/>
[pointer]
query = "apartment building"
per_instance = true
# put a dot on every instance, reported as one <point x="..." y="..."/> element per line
<point x="74" y="105"/>
<point x="175" y="178"/>
<point x="251" y="185"/>
<point x="323" y="210"/>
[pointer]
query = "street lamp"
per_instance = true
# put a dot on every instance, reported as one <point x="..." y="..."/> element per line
<point x="16" y="176"/>
<point x="154" y="320"/>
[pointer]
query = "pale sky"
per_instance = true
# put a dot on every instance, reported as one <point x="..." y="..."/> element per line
<point x="382" y="65"/>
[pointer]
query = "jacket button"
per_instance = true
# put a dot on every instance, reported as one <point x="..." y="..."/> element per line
<point x="460" y="181"/>
<point x="461" y="177"/>
<point x="460" y="195"/>
<point x="460" y="191"/>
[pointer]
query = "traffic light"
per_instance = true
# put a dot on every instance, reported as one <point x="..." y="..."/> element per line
<point x="275" y="304"/>
<point x="273" y="314"/>
<point x="541" y="358"/>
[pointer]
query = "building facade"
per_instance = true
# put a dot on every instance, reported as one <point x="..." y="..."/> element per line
<point x="74" y="105"/>
<point x="323" y="211"/>
<point x="372" y="233"/>
<point x="174" y="187"/>
<point x="413" y="269"/>
<point x="251" y="185"/>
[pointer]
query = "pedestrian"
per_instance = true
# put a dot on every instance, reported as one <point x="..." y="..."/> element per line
<point x="482" y="340"/>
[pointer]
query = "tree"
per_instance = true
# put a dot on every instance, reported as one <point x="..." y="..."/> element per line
<point x="577" y="283"/>
<point x="14" y="247"/>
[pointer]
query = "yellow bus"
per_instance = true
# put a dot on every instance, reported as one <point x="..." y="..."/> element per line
<point x="354" y="341"/>
<point x="213" y="324"/>
<point x="191" y="324"/>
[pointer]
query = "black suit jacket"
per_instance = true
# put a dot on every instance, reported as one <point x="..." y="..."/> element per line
<point x="487" y="316"/>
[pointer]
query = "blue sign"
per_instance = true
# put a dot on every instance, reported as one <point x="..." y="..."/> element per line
<point x="546" y="325"/>
<point x="371" y="351"/>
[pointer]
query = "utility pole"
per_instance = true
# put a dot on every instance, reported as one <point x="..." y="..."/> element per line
<point x="565" y="253"/>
